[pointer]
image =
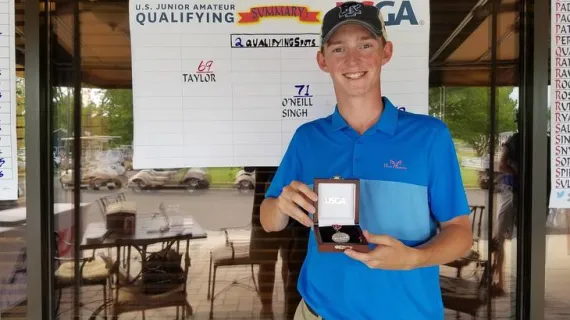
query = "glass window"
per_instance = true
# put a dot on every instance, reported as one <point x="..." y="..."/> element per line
<point x="476" y="89"/>
<point x="188" y="238"/>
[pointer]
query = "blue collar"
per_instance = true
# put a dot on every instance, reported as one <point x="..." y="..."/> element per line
<point x="388" y="120"/>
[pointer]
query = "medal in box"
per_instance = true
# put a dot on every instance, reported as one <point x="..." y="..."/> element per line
<point x="336" y="217"/>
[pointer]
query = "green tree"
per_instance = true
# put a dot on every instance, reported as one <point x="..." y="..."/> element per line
<point x="466" y="112"/>
<point x="117" y="108"/>
<point x="63" y="109"/>
<point x="20" y="113"/>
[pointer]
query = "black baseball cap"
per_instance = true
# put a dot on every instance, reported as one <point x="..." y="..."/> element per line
<point x="365" y="15"/>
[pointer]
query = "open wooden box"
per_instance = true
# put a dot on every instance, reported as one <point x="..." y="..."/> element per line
<point x="338" y="206"/>
<point x="121" y="217"/>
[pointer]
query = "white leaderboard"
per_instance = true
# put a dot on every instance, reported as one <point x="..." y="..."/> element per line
<point x="8" y="139"/>
<point x="227" y="83"/>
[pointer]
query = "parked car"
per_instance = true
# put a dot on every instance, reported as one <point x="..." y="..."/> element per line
<point x="244" y="180"/>
<point x="189" y="178"/>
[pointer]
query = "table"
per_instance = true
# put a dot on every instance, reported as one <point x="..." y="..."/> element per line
<point x="13" y="217"/>
<point x="17" y="216"/>
<point x="96" y="236"/>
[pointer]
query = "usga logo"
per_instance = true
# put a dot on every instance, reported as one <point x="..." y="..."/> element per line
<point x="335" y="200"/>
<point x="396" y="14"/>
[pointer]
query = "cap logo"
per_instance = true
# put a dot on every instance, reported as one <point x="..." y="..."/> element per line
<point x="350" y="11"/>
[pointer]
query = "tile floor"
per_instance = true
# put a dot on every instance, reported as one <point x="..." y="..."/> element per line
<point x="242" y="303"/>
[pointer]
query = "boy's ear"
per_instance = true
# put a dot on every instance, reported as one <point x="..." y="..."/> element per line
<point x="388" y="52"/>
<point x="321" y="61"/>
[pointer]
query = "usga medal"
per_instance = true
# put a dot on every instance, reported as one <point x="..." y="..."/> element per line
<point x="339" y="237"/>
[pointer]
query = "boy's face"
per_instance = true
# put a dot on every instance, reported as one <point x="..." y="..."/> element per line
<point x="354" y="58"/>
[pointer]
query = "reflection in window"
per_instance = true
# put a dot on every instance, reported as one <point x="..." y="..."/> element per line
<point x="464" y="282"/>
<point x="237" y="270"/>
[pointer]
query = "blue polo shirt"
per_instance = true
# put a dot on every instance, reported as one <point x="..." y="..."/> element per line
<point x="410" y="181"/>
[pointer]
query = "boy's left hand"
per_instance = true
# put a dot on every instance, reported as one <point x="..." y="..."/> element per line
<point x="389" y="254"/>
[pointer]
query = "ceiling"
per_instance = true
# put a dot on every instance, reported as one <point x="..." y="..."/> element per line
<point x="460" y="42"/>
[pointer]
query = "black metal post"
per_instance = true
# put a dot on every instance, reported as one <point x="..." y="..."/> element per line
<point x="495" y="6"/>
<point x="77" y="144"/>
<point x="39" y="182"/>
<point x="533" y="118"/>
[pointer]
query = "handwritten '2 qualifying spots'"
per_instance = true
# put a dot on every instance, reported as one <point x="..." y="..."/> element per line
<point x="273" y="40"/>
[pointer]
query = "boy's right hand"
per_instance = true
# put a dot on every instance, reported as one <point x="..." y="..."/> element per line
<point x="295" y="196"/>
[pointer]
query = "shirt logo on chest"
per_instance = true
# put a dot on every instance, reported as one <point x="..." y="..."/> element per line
<point x="395" y="164"/>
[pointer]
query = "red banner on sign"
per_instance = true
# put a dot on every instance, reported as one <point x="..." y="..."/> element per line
<point x="258" y="13"/>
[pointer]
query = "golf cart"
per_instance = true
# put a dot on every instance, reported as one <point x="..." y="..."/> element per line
<point x="484" y="177"/>
<point x="244" y="180"/>
<point x="188" y="178"/>
<point x="93" y="178"/>
<point x="484" y="174"/>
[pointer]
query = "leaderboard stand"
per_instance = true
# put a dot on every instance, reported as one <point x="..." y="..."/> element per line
<point x="8" y="141"/>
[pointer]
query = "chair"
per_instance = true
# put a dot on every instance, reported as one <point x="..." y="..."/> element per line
<point x="474" y="255"/>
<point x="162" y="282"/>
<point x="464" y="295"/>
<point x="235" y="252"/>
<point x="467" y="295"/>
<point x="93" y="271"/>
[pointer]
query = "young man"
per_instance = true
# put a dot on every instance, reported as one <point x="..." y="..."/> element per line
<point x="413" y="207"/>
